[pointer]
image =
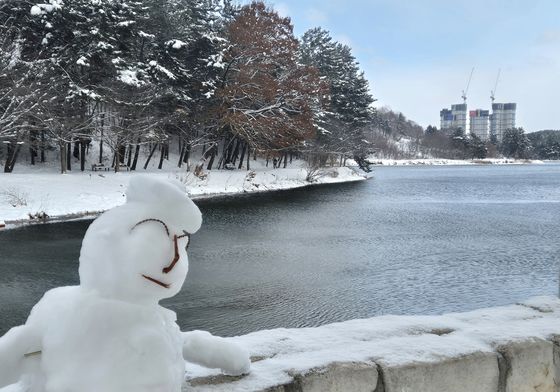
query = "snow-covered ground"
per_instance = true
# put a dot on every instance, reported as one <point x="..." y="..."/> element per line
<point x="31" y="192"/>
<point x="392" y="340"/>
<point x="438" y="161"/>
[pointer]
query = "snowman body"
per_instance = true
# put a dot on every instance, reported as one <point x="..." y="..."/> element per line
<point x="105" y="345"/>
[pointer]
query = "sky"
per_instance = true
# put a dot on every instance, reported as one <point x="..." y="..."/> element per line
<point x="418" y="55"/>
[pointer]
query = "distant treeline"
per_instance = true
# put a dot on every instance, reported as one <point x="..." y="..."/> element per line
<point x="545" y="144"/>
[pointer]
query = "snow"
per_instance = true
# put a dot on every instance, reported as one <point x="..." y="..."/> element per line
<point x="176" y="43"/>
<point x="83" y="61"/>
<point x="80" y="194"/>
<point x="130" y="76"/>
<point x="392" y="340"/>
<point x="112" y="325"/>
<point x="40" y="9"/>
<point x="36" y="10"/>
<point x="164" y="70"/>
<point x="146" y="35"/>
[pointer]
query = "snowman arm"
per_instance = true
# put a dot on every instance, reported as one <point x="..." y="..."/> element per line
<point x="14" y="346"/>
<point x="204" y="349"/>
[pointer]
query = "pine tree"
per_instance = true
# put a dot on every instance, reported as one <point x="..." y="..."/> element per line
<point x="342" y="124"/>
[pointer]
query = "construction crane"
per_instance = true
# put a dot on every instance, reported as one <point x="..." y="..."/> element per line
<point x="466" y="90"/>
<point x="493" y="92"/>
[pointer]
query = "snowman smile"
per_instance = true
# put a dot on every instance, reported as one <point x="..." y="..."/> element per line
<point x="158" y="282"/>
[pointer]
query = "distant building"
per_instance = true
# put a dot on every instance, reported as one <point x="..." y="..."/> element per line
<point x="479" y="123"/>
<point x="502" y="118"/>
<point x="446" y="119"/>
<point x="454" y="118"/>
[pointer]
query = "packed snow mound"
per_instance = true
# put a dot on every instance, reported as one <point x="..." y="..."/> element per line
<point x="110" y="333"/>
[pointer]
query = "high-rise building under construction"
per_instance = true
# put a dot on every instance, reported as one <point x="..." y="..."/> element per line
<point x="478" y="124"/>
<point x="454" y="118"/>
<point x="502" y="118"/>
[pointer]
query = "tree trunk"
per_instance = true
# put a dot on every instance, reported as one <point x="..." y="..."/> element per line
<point x="122" y="154"/>
<point x="235" y="152"/>
<point x="69" y="156"/>
<point x="14" y="157"/>
<point x="76" y="152"/>
<point x="150" y="156"/>
<point x="285" y="160"/>
<point x="161" y="156"/>
<point x="42" y="146"/>
<point x="242" y="155"/>
<point x="83" y="155"/>
<point x="181" y="155"/>
<point x="187" y="154"/>
<point x="32" y="147"/>
<point x="63" y="157"/>
<point x="101" y="145"/>
<point x="135" y="159"/>
<point x="129" y="158"/>
<point x="117" y="159"/>
<point x="211" y="162"/>
<point x="10" y="153"/>
<point x="248" y="156"/>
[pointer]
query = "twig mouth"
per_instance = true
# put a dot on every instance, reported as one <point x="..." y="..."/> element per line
<point x="156" y="281"/>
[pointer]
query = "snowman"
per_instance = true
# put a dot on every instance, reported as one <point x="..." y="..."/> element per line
<point x="110" y="333"/>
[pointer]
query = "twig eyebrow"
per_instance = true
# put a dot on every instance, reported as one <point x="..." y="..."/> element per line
<point x="152" y="220"/>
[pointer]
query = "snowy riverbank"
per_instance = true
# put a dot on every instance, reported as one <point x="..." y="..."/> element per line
<point x="503" y="348"/>
<point x="26" y="197"/>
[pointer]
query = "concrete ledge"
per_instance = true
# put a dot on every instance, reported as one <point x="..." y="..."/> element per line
<point x="529" y="366"/>
<point x="504" y="349"/>
<point x="477" y="372"/>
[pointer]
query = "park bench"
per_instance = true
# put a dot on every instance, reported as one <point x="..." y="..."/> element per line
<point x="99" y="167"/>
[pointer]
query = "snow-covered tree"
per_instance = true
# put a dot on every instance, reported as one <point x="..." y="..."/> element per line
<point x="515" y="143"/>
<point x="266" y="96"/>
<point x="341" y="126"/>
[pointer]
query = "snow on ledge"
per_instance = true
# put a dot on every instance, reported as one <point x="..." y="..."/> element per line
<point x="391" y="340"/>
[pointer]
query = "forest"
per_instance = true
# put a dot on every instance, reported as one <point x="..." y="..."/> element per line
<point x="230" y="82"/>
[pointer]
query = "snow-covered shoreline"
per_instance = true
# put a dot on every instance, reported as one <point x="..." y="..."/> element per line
<point x="39" y="197"/>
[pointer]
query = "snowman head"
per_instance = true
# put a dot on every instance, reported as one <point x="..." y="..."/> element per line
<point x="138" y="252"/>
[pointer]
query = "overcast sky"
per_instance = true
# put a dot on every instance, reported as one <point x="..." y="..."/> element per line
<point x="418" y="55"/>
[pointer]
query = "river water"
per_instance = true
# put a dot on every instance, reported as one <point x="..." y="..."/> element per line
<point x="412" y="240"/>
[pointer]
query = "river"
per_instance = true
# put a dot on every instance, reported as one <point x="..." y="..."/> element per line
<point x="412" y="240"/>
